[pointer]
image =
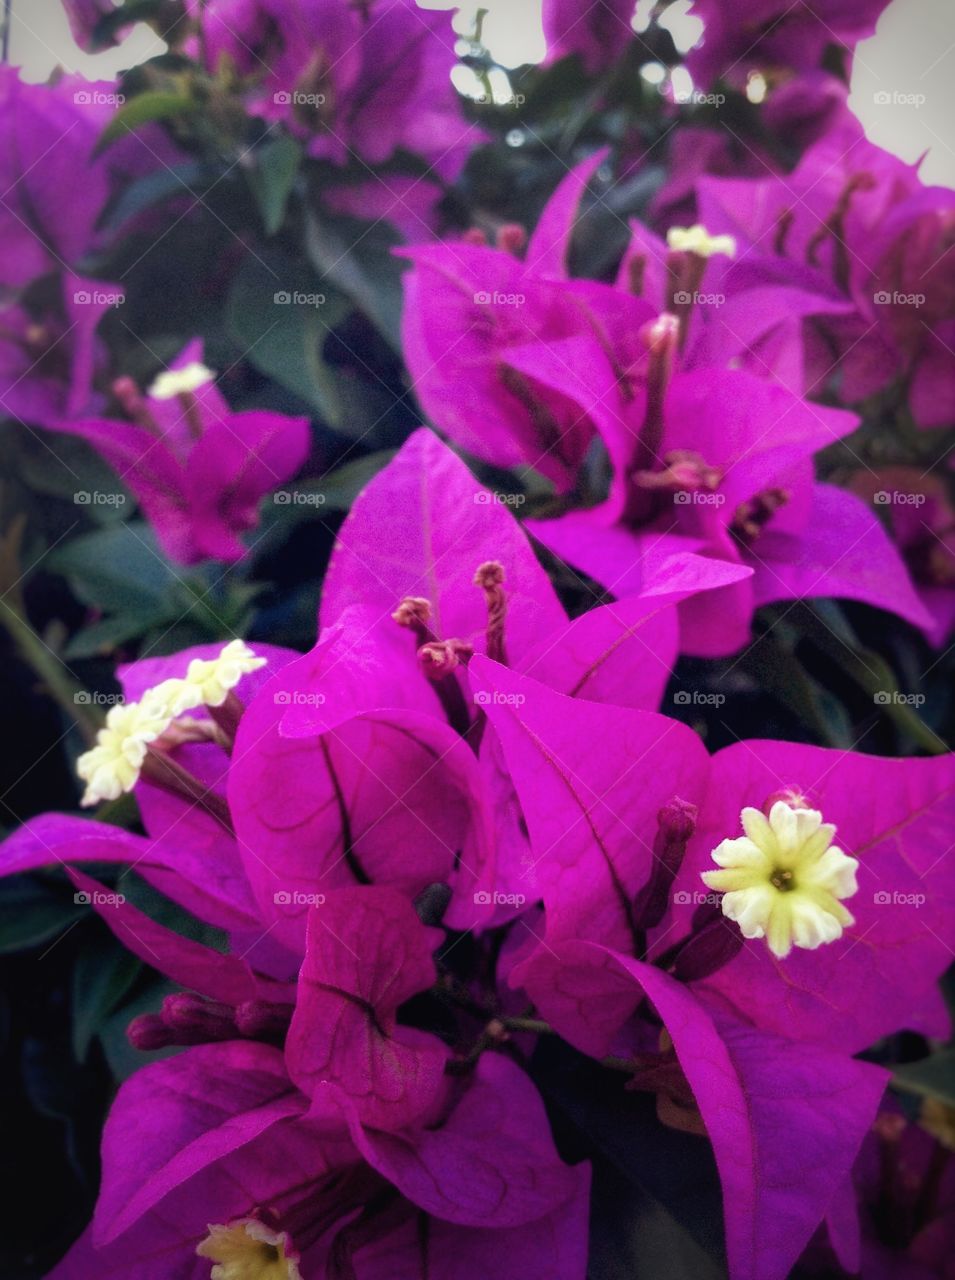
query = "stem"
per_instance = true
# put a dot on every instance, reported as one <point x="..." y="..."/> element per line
<point x="66" y="692"/>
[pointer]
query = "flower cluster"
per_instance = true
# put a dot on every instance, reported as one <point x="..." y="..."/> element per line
<point x="458" y="836"/>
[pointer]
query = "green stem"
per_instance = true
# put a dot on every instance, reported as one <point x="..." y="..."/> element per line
<point x="65" y="691"/>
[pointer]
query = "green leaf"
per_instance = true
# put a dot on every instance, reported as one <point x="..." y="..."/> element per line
<point x="933" y="1077"/>
<point x="632" y="1237"/>
<point x="145" y="108"/>
<point x="103" y="974"/>
<point x="119" y="568"/>
<point x="280" y="315"/>
<point x="339" y="488"/>
<point x="675" y="1171"/>
<point x="272" y="177"/>
<point x="358" y="259"/>
<point x="31" y="914"/>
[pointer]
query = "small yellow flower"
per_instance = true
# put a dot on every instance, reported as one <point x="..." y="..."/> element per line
<point x="209" y="681"/>
<point x="248" y="1250"/>
<point x="112" y="766"/>
<point x="179" y="382"/>
<point x="784" y="879"/>
<point x="697" y="239"/>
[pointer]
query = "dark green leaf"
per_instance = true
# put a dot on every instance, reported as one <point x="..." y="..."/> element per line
<point x="31" y="913"/>
<point x="272" y="176"/>
<point x="103" y="974"/>
<point x="358" y="259"/>
<point x="280" y="315"/>
<point x="933" y="1077"/>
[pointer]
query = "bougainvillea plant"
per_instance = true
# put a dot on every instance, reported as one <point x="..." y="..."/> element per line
<point x="477" y="586"/>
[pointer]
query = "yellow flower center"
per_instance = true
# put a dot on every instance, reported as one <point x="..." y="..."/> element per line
<point x="697" y="239"/>
<point x="784" y="880"/>
<point x="248" y="1250"/>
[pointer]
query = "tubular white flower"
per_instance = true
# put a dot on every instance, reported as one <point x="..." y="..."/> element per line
<point x="248" y="1250"/>
<point x="113" y="765"/>
<point x="784" y="879"/>
<point x="697" y="239"/>
<point x="209" y="681"/>
<point x="178" y="382"/>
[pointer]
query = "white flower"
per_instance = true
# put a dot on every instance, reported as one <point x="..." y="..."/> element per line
<point x="209" y="681"/>
<point x="112" y="766"/>
<point x="784" y="879"/>
<point x="697" y="239"/>
<point x="178" y="382"/>
<point x="248" y="1250"/>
